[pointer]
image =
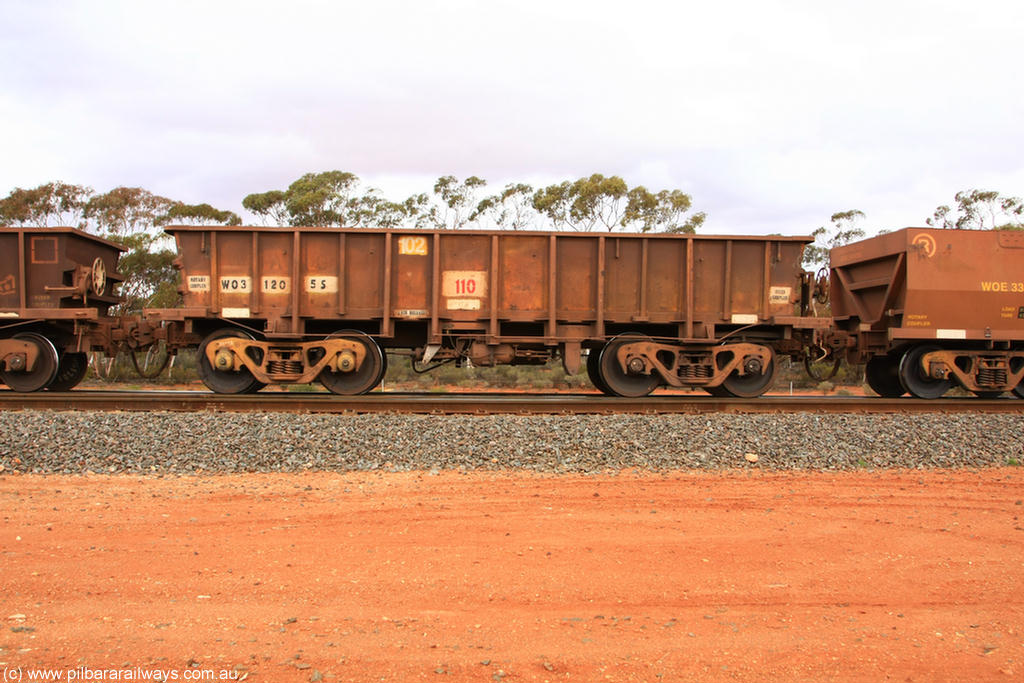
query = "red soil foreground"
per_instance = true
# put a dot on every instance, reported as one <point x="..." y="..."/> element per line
<point x="515" y="577"/>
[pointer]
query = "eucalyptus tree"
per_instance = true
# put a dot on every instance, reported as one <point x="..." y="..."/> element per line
<point x="454" y="204"/>
<point x="269" y="206"/>
<point x="980" y="210"/>
<point x="48" y="205"/>
<point x="510" y="209"/>
<point x="333" y="199"/>
<point x="201" y="214"/>
<point x="597" y="202"/>
<point x="842" y="231"/>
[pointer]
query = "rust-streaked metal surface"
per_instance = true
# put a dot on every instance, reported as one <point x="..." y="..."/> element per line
<point x="54" y="273"/>
<point x="561" y="286"/>
<point x="57" y="286"/>
<point x="931" y="284"/>
<point x="477" y="404"/>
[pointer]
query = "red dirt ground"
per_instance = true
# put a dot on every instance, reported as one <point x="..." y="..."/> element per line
<point x="906" y="576"/>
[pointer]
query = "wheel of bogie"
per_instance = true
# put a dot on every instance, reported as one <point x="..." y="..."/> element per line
<point x="718" y="392"/>
<point x="914" y="379"/>
<point x="71" y="369"/>
<point x="987" y="394"/>
<point x="882" y="374"/>
<point x="750" y="385"/>
<point x="225" y="381"/>
<point x="1018" y="390"/>
<point x="45" y="368"/>
<point x="366" y="377"/>
<point x="594" y="371"/>
<point x="622" y="383"/>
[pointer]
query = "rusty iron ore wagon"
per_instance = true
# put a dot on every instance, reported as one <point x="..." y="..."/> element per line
<point x="56" y="290"/>
<point x="928" y="309"/>
<point x="273" y="305"/>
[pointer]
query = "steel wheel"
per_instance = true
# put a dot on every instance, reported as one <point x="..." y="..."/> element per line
<point x="915" y="380"/>
<point x="987" y="394"/>
<point x="882" y="374"/>
<point x="362" y="380"/>
<point x="594" y="371"/>
<point x="225" y="381"/>
<point x="44" y="371"/>
<point x="752" y="384"/>
<point x="71" y="370"/>
<point x="255" y="387"/>
<point x="1018" y="390"/>
<point x="622" y="383"/>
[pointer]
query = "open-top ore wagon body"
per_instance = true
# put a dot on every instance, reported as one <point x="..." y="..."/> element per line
<point x="56" y="291"/>
<point x="279" y="305"/>
<point x="928" y="309"/>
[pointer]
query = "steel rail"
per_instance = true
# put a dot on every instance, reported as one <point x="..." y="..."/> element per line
<point x="485" y="403"/>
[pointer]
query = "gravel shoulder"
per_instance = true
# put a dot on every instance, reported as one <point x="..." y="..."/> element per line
<point x="44" y="442"/>
<point x="518" y="576"/>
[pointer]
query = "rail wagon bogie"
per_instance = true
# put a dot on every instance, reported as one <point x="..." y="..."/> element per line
<point x="928" y="309"/>
<point x="647" y="310"/>
<point x="57" y="286"/>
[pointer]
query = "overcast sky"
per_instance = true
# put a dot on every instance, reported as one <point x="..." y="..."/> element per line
<point x="772" y="115"/>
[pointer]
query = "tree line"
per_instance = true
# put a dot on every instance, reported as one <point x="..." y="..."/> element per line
<point x="595" y="202"/>
<point x="338" y="199"/>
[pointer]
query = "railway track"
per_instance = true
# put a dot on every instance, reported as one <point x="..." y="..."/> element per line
<point x="485" y="403"/>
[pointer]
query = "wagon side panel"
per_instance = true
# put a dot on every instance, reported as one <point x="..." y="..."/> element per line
<point x="195" y="264"/>
<point x="12" y="275"/>
<point x="465" y="278"/>
<point x="622" y="278"/>
<point x="867" y="281"/>
<point x="666" y="281"/>
<point x="411" y="276"/>
<point x="235" y="282"/>
<point x="275" y="281"/>
<point x="710" y="277"/>
<point x="524" y="270"/>
<point x="964" y="284"/>
<point x="576" y="281"/>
